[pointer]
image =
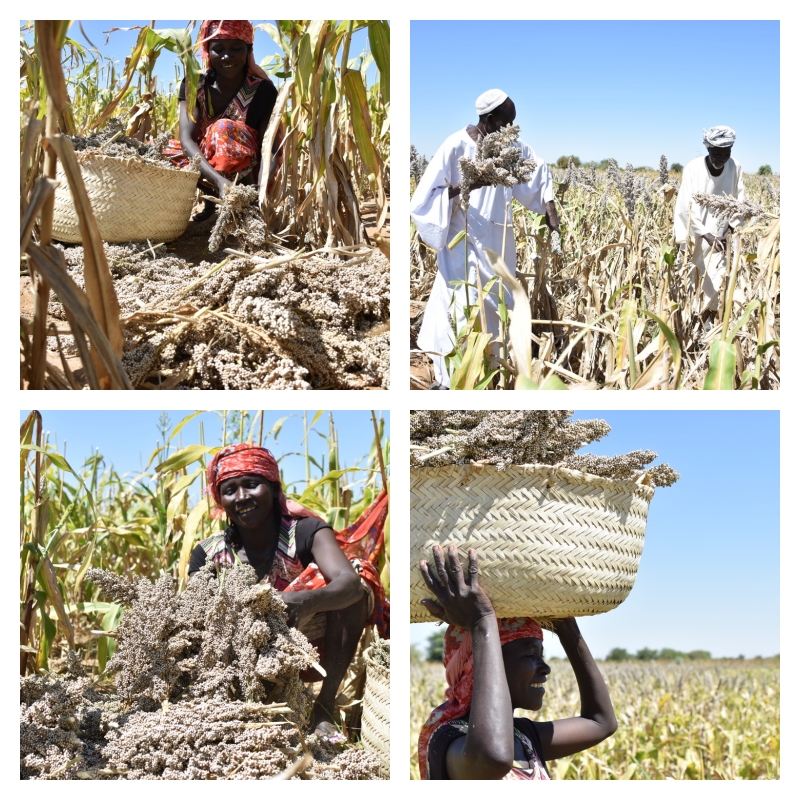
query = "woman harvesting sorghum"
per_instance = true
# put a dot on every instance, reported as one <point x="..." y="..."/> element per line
<point x="235" y="99"/>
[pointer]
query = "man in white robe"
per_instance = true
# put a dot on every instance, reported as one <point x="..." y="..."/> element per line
<point x="715" y="173"/>
<point x="438" y="215"/>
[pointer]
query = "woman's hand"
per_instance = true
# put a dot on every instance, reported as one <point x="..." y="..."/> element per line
<point x="222" y="183"/>
<point x="459" y="600"/>
<point x="565" y="627"/>
<point x="299" y="607"/>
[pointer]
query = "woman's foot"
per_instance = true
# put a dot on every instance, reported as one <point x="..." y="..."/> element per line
<point x="322" y="718"/>
<point x="326" y="729"/>
<point x="208" y="210"/>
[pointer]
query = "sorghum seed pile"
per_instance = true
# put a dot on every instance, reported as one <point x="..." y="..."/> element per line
<point x="498" y="160"/>
<point x="208" y="687"/>
<point x="307" y="324"/>
<point x="501" y="438"/>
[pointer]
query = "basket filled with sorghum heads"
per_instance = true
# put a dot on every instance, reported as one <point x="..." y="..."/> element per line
<point x="135" y="192"/>
<point x="558" y="534"/>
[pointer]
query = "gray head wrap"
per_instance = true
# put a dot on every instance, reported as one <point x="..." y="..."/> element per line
<point x="719" y="136"/>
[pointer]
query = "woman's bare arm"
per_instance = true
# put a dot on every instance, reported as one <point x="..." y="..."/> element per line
<point x="487" y="751"/>
<point x="188" y="134"/>
<point x="343" y="584"/>
<point x="597" y="720"/>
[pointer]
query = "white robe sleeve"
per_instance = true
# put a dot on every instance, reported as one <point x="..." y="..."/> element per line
<point x="691" y="183"/>
<point x="431" y="207"/>
<point x="539" y="189"/>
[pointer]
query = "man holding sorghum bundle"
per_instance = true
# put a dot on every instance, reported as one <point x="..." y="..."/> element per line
<point x="441" y="208"/>
<point x="716" y="173"/>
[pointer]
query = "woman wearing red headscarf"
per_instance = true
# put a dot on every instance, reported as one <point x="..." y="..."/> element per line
<point x="235" y="99"/>
<point x="328" y="581"/>
<point x="494" y="666"/>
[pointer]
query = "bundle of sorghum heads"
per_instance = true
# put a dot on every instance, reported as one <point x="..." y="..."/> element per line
<point x="218" y="739"/>
<point x="501" y="438"/>
<point x="208" y="687"/>
<point x="224" y="637"/>
<point x="498" y="160"/>
<point x="726" y="207"/>
<point x="314" y="322"/>
<point x="112" y="141"/>
<point x="239" y="216"/>
<point x="49" y="745"/>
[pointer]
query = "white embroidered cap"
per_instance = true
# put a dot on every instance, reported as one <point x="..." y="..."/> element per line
<point x="489" y="101"/>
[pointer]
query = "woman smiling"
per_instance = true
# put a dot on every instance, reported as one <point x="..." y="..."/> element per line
<point x="235" y="99"/>
<point x="326" y="579"/>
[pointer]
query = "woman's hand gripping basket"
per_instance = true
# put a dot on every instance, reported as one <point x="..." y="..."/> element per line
<point x="375" y="717"/>
<point x="132" y="200"/>
<point x="553" y="542"/>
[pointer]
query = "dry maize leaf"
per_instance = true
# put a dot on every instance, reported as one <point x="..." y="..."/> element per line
<point x="50" y="263"/>
<point x="519" y="330"/>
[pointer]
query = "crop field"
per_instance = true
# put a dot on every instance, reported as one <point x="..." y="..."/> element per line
<point x="286" y="286"/>
<point x="712" y="720"/>
<point x="617" y="308"/>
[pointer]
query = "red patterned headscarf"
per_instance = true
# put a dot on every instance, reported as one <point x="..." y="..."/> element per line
<point x="240" y="29"/>
<point x="249" y="459"/>
<point x="460" y="673"/>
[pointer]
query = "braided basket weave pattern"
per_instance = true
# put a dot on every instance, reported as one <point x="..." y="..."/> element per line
<point x="132" y="200"/>
<point x="375" y="717"/>
<point x="551" y="542"/>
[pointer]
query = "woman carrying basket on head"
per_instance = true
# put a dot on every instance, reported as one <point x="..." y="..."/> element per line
<point x="235" y="99"/>
<point x="494" y="666"/>
<point x="328" y="580"/>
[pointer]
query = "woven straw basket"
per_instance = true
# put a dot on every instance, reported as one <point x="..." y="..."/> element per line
<point x="132" y="200"/>
<point x="375" y="718"/>
<point x="551" y="542"/>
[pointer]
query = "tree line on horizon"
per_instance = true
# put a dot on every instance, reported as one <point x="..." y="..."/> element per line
<point x="435" y="645"/>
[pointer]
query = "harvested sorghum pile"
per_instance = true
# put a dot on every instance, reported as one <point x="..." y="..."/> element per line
<point x="502" y="438"/>
<point x="208" y="687"/>
<point x="318" y="322"/>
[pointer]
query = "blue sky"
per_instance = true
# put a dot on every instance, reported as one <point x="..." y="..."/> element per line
<point x="127" y="438"/>
<point x="709" y="578"/>
<point x="120" y="43"/>
<point x="630" y="90"/>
